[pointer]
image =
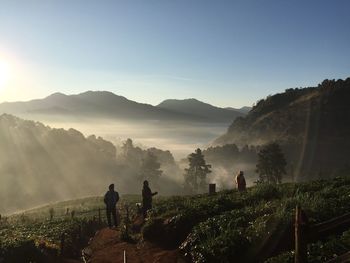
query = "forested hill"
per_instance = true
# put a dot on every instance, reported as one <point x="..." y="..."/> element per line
<point x="312" y="124"/>
<point x="201" y="109"/>
<point x="39" y="164"/>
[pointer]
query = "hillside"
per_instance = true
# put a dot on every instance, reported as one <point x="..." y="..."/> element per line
<point x="201" y="109"/>
<point x="312" y="124"/>
<point x="39" y="164"/>
<point x="251" y="227"/>
<point x="107" y="105"/>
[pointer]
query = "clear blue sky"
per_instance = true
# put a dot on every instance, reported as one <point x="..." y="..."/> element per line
<point x="228" y="53"/>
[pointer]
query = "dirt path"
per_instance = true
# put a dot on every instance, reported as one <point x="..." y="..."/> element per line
<point x="107" y="247"/>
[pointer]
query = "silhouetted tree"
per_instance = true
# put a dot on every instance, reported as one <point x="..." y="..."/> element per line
<point x="52" y="213"/>
<point x="150" y="168"/>
<point x="133" y="155"/>
<point x="196" y="174"/>
<point x="271" y="164"/>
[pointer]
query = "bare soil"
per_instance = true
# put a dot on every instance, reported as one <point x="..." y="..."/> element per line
<point x="107" y="247"/>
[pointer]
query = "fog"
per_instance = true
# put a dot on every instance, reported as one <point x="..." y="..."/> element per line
<point x="41" y="164"/>
<point x="181" y="138"/>
<point x="225" y="178"/>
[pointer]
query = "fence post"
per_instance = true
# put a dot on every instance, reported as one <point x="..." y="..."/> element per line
<point x="212" y="189"/>
<point x="300" y="237"/>
<point x="99" y="216"/>
<point x="80" y="230"/>
<point x="127" y="221"/>
<point x="62" y="244"/>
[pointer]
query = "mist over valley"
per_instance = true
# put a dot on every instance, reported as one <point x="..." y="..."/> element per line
<point x="174" y="131"/>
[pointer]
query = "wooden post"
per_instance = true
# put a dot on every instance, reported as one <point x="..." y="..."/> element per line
<point x="99" y="216"/>
<point x="62" y="244"/>
<point x="300" y="237"/>
<point x="212" y="189"/>
<point x="125" y="256"/>
<point x="127" y="220"/>
<point x="80" y="233"/>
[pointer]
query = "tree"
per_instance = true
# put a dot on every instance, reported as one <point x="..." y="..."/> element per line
<point x="52" y="213"/>
<point x="271" y="164"/>
<point x="196" y="174"/>
<point x="150" y="168"/>
<point x="131" y="154"/>
<point x="127" y="148"/>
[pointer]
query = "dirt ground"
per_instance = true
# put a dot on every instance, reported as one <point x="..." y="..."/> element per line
<point x="106" y="247"/>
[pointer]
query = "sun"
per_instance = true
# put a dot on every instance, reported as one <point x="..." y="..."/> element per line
<point x="4" y="73"/>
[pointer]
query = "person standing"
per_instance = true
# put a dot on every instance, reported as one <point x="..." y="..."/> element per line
<point x="146" y="198"/>
<point x="111" y="199"/>
<point x="240" y="182"/>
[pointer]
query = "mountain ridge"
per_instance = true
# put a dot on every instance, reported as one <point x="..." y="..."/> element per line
<point x="109" y="105"/>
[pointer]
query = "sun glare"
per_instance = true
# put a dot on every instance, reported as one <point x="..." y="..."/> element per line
<point x="4" y="73"/>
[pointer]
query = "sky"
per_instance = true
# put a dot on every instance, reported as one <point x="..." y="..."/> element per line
<point x="227" y="53"/>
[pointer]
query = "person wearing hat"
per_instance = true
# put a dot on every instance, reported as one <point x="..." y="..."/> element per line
<point x="146" y="198"/>
<point x="111" y="199"/>
<point x="240" y="182"/>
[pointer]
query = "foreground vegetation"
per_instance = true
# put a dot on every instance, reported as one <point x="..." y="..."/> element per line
<point x="35" y="235"/>
<point x="251" y="226"/>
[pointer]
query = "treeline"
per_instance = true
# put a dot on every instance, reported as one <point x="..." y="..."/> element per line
<point x="39" y="164"/>
<point x="229" y="155"/>
<point x="267" y="163"/>
<point x="155" y="165"/>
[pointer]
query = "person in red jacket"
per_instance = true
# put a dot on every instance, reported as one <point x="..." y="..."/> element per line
<point x="240" y="182"/>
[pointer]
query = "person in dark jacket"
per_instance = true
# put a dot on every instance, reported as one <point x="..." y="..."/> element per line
<point x="111" y="199"/>
<point x="146" y="198"/>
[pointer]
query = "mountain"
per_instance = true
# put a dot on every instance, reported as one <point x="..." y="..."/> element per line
<point x="200" y="109"/>
<point x="103" y="104"/>
<point x="312" y="124"/>
<point x="244" y="110"/>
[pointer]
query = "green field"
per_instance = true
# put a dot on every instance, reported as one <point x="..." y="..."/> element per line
<point x="218" y="228"/>
<point x="29" y="234"/>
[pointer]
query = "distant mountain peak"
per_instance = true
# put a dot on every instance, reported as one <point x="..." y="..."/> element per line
<point x="98" y="92"/>
<point x="57" y="95"/>
<point x="189" y="101"/>
<point x="101" y="94"/>
<point x="199" y="108"/>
